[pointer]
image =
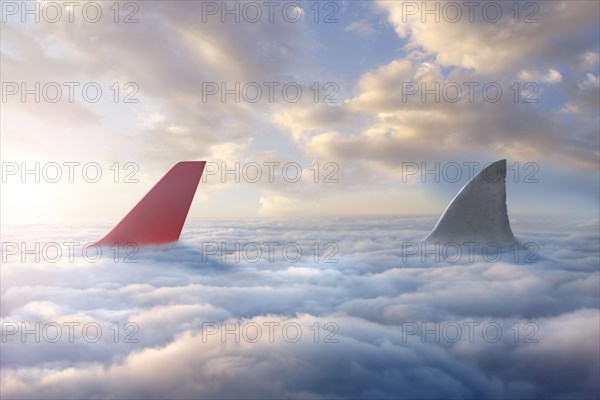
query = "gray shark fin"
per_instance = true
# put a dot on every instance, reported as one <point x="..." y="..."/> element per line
<point x="478" y="212"/>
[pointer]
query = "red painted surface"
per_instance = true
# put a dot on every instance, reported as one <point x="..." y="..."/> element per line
<point x="159" y="216"/>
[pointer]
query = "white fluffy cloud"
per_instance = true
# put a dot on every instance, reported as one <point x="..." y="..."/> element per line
<point x="368" y="132"/>
<point x="502" y="88"/>
<point x="366" y="305"/>
<point x="492" y="37"/>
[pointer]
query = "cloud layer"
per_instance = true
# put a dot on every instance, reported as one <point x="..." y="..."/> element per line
<point x="339" y="329"/>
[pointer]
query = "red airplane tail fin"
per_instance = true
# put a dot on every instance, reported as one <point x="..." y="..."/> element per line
<point x="159" y="216"/>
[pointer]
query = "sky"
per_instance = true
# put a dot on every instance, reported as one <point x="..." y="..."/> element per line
<point x="335" y="133"/>
<point x="158" y="86"/>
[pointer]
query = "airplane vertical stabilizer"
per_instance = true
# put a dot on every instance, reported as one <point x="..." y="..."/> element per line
<point x="159" y="216"/>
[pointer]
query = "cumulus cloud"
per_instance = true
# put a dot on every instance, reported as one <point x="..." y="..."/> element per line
<point x="189" y="50"/>
<point x="491" y="37"/>
<point x="374" y="324"/>
<point x="552" y="76"/>
<point x="369" y="130"/>
<point x="470" y="84"/>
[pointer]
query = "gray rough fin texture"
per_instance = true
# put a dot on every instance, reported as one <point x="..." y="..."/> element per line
<point x="478" y="212"/>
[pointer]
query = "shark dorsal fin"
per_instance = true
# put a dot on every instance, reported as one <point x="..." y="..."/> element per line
<point x="478" y="212"/>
